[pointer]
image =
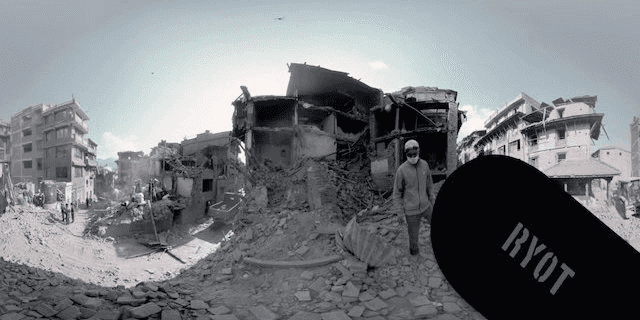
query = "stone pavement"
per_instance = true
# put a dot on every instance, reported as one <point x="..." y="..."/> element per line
<point x="413" y="289"/>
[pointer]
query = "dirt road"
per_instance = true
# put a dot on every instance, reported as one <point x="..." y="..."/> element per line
<point x="39" y="238"/>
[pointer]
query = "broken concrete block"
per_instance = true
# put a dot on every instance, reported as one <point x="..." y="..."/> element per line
<point x="198" y="305"/>
<point x="108" y="315"/>
<point x="351" y="291"/>
<point x="303" y="295"/>
<point x="45" y="310"/>
<point x="170" y="314"/>
<point x="426" y="310"/>
<point x="11" y="316"/>
<point x="335" y="315"/>
<point x="304" y="315"/>
<point x="375" y="304"/>
<point x="262" y="313"/>
<point x="145" y="310"/>
<point x="306" y="275"/>
<point x="356" y="311"/>
<point x="365" y="296"/>
<point x="69" y="313"/>
<point x="355" y="265"/>
<point x="219" y="310"/>
<point x="386" y="294"/>
<point x="419" y="301"/>
<point x="302" y="250"/>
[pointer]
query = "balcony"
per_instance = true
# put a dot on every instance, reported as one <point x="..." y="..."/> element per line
<point x="76" y="122"/>
<point x="92" y="150"/>
<point x="90" y="162"/>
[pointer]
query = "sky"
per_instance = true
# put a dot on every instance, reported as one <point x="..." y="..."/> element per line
<point x="146" y="71"/>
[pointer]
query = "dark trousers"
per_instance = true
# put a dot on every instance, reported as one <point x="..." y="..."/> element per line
<point x="65" y="216"/>
<point x="413" y="228"/>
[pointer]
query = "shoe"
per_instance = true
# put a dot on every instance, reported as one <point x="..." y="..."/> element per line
<point x="414" y="252"/>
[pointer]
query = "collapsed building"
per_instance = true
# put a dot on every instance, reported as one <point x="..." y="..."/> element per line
<point x="327" y="114"/>
<point x="197" y="170"/>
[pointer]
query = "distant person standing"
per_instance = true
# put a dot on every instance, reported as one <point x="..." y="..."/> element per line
<point x="65" y="212"/>
<point x="87" y="201"/>
<point x="73" y="217"/>
<point x="413" y="192"/>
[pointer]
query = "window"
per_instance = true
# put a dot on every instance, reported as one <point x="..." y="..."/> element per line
<point x="27" y="164"/>
<point x="62" y="172"/>
<point x="514" y="146"/>
<point x="51" y="136"/>
<point x="561" y="156"/>
<point x="77" y="172"/>
<point x="62" y="133"/>
<point x="77" y="153"/>
<point x="560" y="112"/>
<point x="26" y="120"/>
<point x="39" y="163"/>
<point x="534" y="140"/>
<point x="561" y="134"/>
<point x="607" y="152"/>
<point x="501" y="150"/>
<point x="61" y="152"/>
<point x="50" y="153"/>
<point x="533" y="161"/>
<point x="207" y="185"/>
<point x="27" y="148"/>
<point x="26" y="133"/>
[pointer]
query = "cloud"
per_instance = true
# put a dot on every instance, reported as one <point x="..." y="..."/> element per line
<point x="476" y="117"/>
<point x="378" y="65"/>
<point x="111" y="144"/>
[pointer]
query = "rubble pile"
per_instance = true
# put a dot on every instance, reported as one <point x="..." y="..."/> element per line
<point x="355" y="189"/>
<point x="132" y="211"/>
<point x="628" y="229"/>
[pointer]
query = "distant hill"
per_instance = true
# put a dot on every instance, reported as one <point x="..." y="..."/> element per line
<point x="108" y="162"/>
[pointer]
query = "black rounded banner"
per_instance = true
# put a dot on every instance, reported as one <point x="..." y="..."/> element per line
<point x="514" y="245"/>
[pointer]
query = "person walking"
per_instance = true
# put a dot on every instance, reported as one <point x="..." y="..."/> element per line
<point x="413" y="193"/>
<point x="65" y="213"/>
<point x="73" y="217"/>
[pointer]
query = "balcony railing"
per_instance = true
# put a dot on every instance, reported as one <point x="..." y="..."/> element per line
<point x="75" y="121"/>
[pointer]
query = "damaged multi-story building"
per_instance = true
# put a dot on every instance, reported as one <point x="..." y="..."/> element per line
<point x="50" y="144"/>
<point x="5" y="142"/>
<point x="328" y="114"/>
<point x="323" y="114"/>
<point x="556" y="139"/>
<point x="196" y="169"/>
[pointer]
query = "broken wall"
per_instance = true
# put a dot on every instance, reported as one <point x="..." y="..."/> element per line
<point x="313" y="143"/>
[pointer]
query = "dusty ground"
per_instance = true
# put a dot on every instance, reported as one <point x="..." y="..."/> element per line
<point x="37" y="237"/>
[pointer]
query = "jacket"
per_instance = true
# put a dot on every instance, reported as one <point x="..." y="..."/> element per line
<point x="413" y="188"/>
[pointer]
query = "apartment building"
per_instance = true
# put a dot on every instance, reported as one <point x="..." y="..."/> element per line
<point x="467" y="147"/>
<point x="49" y="142"/>
<point x="5" y="142"/>
<point x="504" y="136"/>
<point x="27" y="144"/>
<point x="563" y="132"/>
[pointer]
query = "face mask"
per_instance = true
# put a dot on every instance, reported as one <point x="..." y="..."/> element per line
<point x="413" y="160"/>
